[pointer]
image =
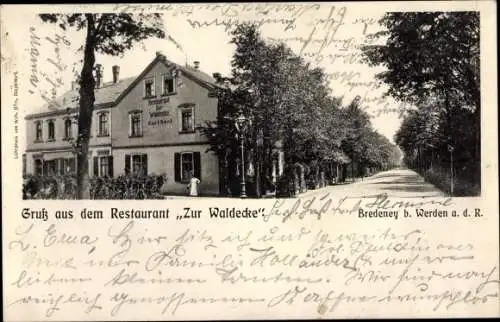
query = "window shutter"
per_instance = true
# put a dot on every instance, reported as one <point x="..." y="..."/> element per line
<point x="197" y="165"/>
<point x="177" y="165"/>
<point x="110" y="165"/>
<point x="130" y="125"/>
<point x="179" y="116"/>
<point x="140" y="123"/>
<point x="108" y="123"/>
<point x="127" y="163"/>
<point x="144" y="163"/>
<point x="96" y="166"/>
<point x="193" y="122"/>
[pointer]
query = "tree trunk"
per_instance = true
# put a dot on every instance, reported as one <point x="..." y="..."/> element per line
<point x="352" y="168"/>
<point x="86" y="107"/>
<point x="258" y="181"/>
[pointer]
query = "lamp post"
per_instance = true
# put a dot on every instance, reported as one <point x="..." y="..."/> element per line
<point x="260" y="153"/>
<point x="241" y="124"/>
<point x="450" y="149"/>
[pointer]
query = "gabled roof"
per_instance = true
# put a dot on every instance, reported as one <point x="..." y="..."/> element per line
<point x="198" y="76"/>
<point x="111" y="93"/>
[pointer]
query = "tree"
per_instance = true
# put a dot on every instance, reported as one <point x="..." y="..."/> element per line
<point x="290" y="102"/>
<point x="110" y="34"/>
<point x="357" y="122"/>
<point x="432" y="58"/>
<point x="428" y="53"/>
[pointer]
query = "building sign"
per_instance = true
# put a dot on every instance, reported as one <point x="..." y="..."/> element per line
<point x="158" y="101"/>
<point x="156" y="115"/>
<point x="159" y="118"/>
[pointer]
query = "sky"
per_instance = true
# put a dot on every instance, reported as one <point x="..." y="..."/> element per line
<point x="327" y="35"/>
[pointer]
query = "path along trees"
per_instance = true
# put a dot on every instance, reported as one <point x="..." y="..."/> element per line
<point x="291" y="106"/>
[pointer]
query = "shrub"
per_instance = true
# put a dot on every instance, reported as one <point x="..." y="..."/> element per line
<point x="313" y="180"/>
<point x="121" y="187"/>
<point x="441" y="179"/>
<point x="287" y="186"/>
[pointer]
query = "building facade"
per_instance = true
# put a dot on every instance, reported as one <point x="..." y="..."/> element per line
<point x="146" y="124"/>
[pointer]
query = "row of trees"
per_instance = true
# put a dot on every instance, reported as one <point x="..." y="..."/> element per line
<point x="432" y="61"/>
<point x="291" y="107"/>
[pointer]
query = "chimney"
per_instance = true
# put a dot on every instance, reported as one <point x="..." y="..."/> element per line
<point x="217" y="76"/>
<point x="196" y="65"/>
<point x="116" y="74"/>
<point x="98" y="75"/>
<point x="160" y="53"/>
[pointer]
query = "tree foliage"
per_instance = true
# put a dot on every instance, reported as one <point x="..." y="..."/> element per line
<point x="110" y="34"/>
<point x="432" y="61"/>
<point x="289" y="102"/>
<point x="428" y="53"/>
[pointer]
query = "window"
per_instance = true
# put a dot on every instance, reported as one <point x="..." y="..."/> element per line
<point x="38" y="167"/>
<point x="136" y="164"/>
<point x="39" y="131"/>
<point x="103" y="124"/>
<point x="186" y="165"/>
<point x="103" y="166"/>
<point x="168" y="85"/>
<point x="187" y="119"/>
<point x="50" y="167"/>
<point x="135" y="124"/>
<point x="51" y="130"/>
<point x="149" y="87"/>
<point x="68" y="130"/>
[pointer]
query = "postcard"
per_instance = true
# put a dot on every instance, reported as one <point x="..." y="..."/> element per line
<point x="281" y="160"/>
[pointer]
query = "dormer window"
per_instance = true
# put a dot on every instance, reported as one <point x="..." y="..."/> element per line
<point x="168" y="85"/>
<point x="149" y="87"/>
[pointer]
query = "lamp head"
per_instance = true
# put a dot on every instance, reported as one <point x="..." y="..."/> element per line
<point x="241" y="121"/>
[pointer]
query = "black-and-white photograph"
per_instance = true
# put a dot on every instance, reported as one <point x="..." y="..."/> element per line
<point x="170" y="161"/>
<point x="139" y="106"/>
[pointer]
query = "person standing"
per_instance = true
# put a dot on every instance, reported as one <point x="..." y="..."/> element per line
<point x="193" y="185"/>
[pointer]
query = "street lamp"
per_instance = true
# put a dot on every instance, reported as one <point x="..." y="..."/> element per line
<point x="450" y="149"/>
<point x="241" y="123"/>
